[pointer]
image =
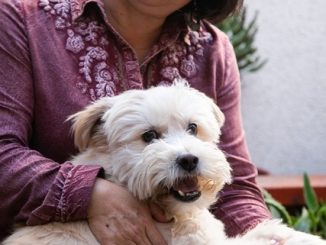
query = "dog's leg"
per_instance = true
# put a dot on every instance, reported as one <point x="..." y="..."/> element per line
<point x="199" y="227"/>
<point x="53" y="234"/>
<point x="281" y="234"/>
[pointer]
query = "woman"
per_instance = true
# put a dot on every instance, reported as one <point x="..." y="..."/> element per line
<point x="58" y="56"/>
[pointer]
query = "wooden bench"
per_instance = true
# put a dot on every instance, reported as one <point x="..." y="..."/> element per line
<point x="288" y="190"/>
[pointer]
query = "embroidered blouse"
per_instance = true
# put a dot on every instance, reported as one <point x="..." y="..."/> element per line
<point x="56" y="56"/>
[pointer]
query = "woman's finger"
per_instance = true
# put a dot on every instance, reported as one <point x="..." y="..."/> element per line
<point x="154" y="236"/>
<point x="158" y="214"/>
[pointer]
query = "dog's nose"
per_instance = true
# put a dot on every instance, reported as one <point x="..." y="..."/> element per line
<point x="188" y="162"/>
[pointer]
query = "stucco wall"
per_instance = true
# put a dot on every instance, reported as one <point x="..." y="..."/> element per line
<point x="284" y="104"/>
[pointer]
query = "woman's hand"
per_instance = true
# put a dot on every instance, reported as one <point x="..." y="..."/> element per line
<point x="116" y="217"/>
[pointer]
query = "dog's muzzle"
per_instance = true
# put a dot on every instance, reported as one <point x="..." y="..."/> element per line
<point x="186" y="189"/>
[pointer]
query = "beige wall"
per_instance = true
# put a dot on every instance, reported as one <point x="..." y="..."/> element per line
<point x="284" y="104"/>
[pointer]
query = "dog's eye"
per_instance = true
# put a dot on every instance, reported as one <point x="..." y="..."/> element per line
<point x="150" y="135"/>
<point x="192" y="128"/>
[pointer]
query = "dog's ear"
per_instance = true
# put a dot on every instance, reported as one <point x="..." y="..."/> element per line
<point x="219" y="116"/>
<point x="87" y="121"/>
<point x="218" y="113"/>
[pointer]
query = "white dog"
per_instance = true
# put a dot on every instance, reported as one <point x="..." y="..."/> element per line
<point x="161" y="144"/>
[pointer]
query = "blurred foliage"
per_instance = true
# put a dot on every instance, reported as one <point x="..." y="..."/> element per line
<point x="312" y="218"/>
<point x="242" y="35"/>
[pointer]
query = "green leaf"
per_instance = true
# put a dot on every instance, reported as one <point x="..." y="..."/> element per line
<point x="323" y="228"/>
<point x="321" y="214"/>
<point x="242" y="34"/>
<point x="279" y="211"/>
<point x="276" y="208"/>
<point x="275" y="212"/>
<point x="258" y="66"/>
<point x="322" y="211"/>
<point x="303" y="223"/>
<point x="312" y="218"/>
<point x="309" y="195"/>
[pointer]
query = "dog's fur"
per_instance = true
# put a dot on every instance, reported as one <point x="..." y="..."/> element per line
<point x="111" y="132"/>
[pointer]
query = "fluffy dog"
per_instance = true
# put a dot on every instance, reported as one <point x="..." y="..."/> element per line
<point x="161" y="144"/>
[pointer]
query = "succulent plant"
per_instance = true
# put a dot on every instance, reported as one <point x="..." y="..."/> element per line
<point x="312" y="218"/>
<point x="242" y="35"/>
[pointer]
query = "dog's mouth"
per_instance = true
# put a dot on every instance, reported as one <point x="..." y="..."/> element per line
<point x="186" y="189"/>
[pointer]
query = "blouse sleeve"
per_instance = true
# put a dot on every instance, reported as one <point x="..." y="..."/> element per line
<point x="33" y="189"/>
<point x="240" y="204"/>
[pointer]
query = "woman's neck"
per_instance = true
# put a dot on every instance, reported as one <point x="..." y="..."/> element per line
<point x="140" y="30"/>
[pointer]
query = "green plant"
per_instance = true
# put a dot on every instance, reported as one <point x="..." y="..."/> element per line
<point x="312" y="218"/>
<point x="242" y="36"/>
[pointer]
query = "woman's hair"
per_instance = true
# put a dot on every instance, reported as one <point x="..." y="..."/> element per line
<point x="213" y="10"/>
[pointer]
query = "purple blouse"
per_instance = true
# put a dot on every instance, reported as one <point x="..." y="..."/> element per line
<point x="58" y="56"/>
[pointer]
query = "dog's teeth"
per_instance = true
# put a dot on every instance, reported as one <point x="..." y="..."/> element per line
<point x="181" y="193"/>
<point x="191" y="193"/>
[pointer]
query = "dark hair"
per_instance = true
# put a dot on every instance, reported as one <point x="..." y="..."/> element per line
<point x="212" y="10"/>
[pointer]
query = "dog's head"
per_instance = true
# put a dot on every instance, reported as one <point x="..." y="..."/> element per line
<point x="161" y="143"/>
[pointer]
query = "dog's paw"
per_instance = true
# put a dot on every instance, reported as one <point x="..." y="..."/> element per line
<point x="300" y="238"/>
<point x="274" y="233"/>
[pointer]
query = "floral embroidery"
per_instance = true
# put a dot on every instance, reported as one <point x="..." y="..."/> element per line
<point x="60" y="7"/>
<point x="188" y="67"/>
<point x="60" y="23"/>
<point x="85" y="38"/>
<point x="170" y="73"/>
<point x="93" y="54"/>
<point x="179" y="59"/>
<point x="104" y="78"/>
<point x="74" y="42"/>
<point x="106" y="70"/>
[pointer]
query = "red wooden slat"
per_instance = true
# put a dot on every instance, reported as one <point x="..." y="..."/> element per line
<point x="288" y="190"/>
